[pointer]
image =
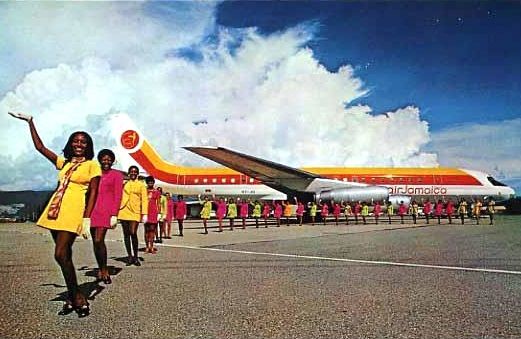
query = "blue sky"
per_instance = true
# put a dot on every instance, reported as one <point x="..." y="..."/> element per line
<point x="301" y="83"/>
<point x="459" y="62"/>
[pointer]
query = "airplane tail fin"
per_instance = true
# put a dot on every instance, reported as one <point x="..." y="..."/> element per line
<point x="133" y="149"/>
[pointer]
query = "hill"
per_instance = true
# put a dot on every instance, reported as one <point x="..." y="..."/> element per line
<point x="23" y="204"/>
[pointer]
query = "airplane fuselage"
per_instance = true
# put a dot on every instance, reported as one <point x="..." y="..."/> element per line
<point x="417" y="183"/>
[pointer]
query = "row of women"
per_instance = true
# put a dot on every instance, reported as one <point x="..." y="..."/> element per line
<point x="356" y="211"/>
<point x="437" y="210"/>
<point x="231" y="210"/>
<point x="90" y="199"/>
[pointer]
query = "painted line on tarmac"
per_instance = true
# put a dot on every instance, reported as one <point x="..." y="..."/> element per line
<point x="370" y="262"/>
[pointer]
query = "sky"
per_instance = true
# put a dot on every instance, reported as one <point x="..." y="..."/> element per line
<point x="301" y="83"/>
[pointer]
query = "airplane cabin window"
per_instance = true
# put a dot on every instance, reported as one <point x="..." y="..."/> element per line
<point x="233" y="180"/>
<point x="214" y="180"/>
<point x="495" y="182"/>
<point x="223" y="180"/>
<point x="196" y="181"/>
<point x="205" y="180"/>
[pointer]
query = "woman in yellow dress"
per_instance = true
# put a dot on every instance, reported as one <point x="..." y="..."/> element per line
<point x="134" y="207"/>
<point x="68" y="213"/>
<point x="206" y="210"/>
<point x="232" y="212"/>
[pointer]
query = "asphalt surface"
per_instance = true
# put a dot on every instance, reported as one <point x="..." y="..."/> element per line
<point x="282" y="282"/>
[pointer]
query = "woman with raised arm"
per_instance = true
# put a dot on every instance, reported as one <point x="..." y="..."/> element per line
<point x="232" y="212"/>
<point x="206" y="211"/>
<point x="244" y="206"/>
<point x="256" y="213"/>
<point x="438" y="210"/>
<point x="324" y="211"/>
<point x="313" y="212"/>
<point x="104" y="215"/>
<point x="266" y="210"/>
<point x="390" y="211"/>
<point x="299" y="211"/>
<point x="133" y="208"/>
<point x="287" y="211"/>
<point x="357" y="208"/>
<point x="347" y="211"/>
<point x="449" y="209"/>
<point x="277" y="212"/>
<point x="377" y="210"/>
<point x="68" y="213"/>
<point x="337" y="209"/>
<point x="220" y="212"/>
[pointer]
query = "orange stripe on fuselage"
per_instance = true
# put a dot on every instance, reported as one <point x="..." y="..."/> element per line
<point x="167" y="172"/>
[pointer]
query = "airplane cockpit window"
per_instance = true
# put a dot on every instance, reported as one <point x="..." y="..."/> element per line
<point x="495" y="182"/>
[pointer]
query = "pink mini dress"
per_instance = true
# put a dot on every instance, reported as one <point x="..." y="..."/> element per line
<point x="108" y="200"/>
<point x="153" y="205"/>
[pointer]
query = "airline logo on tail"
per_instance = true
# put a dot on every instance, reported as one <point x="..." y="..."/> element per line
<point x="130" y="139"/>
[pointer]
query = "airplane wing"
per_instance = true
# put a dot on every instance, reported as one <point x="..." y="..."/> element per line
<point x="269" y="173"/>
<point x="289" y="180"/>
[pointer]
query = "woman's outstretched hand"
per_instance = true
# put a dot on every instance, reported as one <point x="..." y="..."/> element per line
<point x="21" y="116"/>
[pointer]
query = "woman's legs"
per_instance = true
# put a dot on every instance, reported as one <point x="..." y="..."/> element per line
<point x="125" y="225"/>
<point x="205" y="221"/>
<point x="220" y="222"/>
<point x="133" y="225"/>
<point x="243" y="223"/>
<point x="150" y="233"/>
<point x="180" y="225"/>
<point x="100" y="250"/>
<point x="131" y="241"/>
<point x="63" y="241"/>
<point x="168" y="229"/>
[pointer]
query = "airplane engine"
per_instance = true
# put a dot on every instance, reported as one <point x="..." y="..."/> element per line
<point x="368" y="193"/>
<point x="397" y="199"/>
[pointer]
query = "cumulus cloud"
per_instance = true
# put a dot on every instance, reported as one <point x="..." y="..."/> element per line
<point x="493" y="148"/>
<point x="263" y="95"/>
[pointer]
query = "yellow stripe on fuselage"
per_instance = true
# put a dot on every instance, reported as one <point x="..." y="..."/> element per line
<point x="167" y="167"/>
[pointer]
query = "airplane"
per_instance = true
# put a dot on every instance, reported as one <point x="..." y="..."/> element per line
<point x="251" y="177"/>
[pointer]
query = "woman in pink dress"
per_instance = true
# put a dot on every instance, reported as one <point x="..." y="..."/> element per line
<point x="427" y="210"/>
<point x="180" y="213"/>
<point x="299" y="211"/>
<point x="377" y="210"/>
<point x="104" y="214"/>
<point x="324" y="211"/>
<point x="169" y="216"/>
<point x="449" y="209"/>
<point x="356" y="211"/>
<point x="154" y="207"/>
<point x="277" y="212"/>
<point x="243" y="211"/>
<point x="438" y="210"/>
<point x="220" y="212"/>
<point x="266" y="210"/>
<point x="336" y="211"/>
<point x="402" y="211"/>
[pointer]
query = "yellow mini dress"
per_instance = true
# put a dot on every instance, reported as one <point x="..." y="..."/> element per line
<point x="134" y="201"/>
<point x="72" y="207"/>
<point x="206" y="210"/>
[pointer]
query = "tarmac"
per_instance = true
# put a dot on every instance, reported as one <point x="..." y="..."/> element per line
<point x="333" y="281"/>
